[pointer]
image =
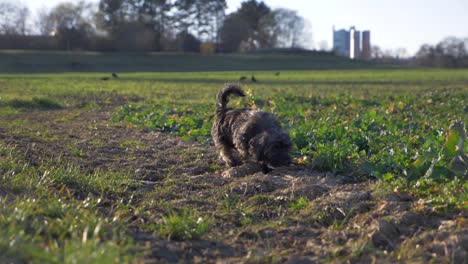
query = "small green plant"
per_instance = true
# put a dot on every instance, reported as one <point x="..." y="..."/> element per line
<point x="191" y="122"/>
<point x="230" y="202"/>
<point x="340" y="224"/>
<point x="183" y="226"/>
<point x="299" y="203"/>
<point x="78" y="152"/>
<point x="246" y="220"/>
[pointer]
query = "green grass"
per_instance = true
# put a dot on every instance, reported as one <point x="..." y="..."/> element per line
<point x="365" y="123"/>
<point x="358" y="127"/>
<point x="34" y="103"/>
<point x="184" y="225"/>
<point x="389" y="125"/>
<point x="57" y="61"/>
<point x="53" y="215"/>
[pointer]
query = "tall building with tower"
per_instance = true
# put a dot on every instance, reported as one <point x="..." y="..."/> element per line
<point x="341" y="42"/>
<point x="351" y="43"/>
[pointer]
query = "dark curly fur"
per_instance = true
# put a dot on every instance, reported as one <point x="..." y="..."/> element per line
<point x="248" y="134"/>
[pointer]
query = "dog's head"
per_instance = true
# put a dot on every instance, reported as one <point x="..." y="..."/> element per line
<point x="272" y="148"/>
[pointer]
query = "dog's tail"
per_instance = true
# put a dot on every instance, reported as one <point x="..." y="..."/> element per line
<point x="222" y="98"/>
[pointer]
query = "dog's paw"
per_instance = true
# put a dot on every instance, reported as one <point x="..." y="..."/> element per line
<point x="234" y="163"/>
<point x="266" y="168"/>
<point x="231" y="162"/>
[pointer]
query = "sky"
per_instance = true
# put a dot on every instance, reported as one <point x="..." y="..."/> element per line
<point x="393" y="23"/>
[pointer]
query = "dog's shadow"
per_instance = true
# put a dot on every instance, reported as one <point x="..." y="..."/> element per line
<point x="250" y="168"/>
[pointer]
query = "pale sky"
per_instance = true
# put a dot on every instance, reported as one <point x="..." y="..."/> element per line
<point x="393" y="23"/>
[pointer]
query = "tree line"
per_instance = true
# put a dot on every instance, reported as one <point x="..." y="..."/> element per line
<point x="450" y="52"/>
<point x="153" y="25"/>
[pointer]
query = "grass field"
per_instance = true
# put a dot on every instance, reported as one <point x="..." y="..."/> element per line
<point x="56" y="61"/>
<point x="124" y="170"/>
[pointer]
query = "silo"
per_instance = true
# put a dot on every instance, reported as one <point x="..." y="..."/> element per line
<point x="355" y="44"/>
<point x="366" y="46"/>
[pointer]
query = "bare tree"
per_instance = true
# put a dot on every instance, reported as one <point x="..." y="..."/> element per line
<point x="376" y="52"/>
<point x="13" y="18"/>
<point x="289" y="27"/>
<point x="72" y="23"/>
<point x="451" y="53"/>
<point x="286" y="28"/>
<point x="68" y="15"/>
<point x="200" y="17"/>
<point x="453" y="47"/>
<point x="44" y="22"/>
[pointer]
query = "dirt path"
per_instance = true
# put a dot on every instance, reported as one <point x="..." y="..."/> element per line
<point x="340" y="221"/>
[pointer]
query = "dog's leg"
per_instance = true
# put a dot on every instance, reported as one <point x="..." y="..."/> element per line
<point x="265" y="168"/>
<point x="227" y="154"/>
<point x="241" y="144"/>
<point x="243" y="151"/>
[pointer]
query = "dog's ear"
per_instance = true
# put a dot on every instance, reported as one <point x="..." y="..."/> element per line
<point x="257" y="146"/>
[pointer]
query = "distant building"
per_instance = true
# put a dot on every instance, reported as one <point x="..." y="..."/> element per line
<point x="355" y="50"/>
<point x="349" y="43"/>
<point x="365" y="45"/>
<point x="341" y="42"/>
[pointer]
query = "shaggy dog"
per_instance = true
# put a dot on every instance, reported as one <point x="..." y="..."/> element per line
<point x="248" y="134"/>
